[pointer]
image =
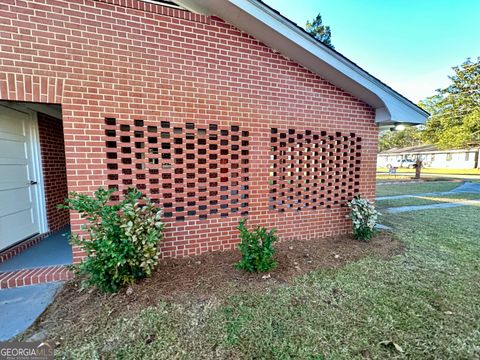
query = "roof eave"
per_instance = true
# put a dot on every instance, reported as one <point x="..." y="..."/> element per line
<point x="281" y="34"/>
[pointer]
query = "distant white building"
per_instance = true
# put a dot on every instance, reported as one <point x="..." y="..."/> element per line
<point x="431" y="156"/>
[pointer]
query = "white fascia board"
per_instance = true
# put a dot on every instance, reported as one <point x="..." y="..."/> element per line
<point x="275" y="31"/>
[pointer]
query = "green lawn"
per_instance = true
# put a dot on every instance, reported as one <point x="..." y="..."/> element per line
<point x="437" y="171"/>
<point x="415" y="188"/>
<point x="426" y="200"/>
<point x="426" y="301"/>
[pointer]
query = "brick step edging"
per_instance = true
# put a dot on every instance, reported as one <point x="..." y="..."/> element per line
<point x="35" y="276"/>
<point x="22" y="246"/>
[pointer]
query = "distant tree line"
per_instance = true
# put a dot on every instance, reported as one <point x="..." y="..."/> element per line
<point x="454" y="120"/>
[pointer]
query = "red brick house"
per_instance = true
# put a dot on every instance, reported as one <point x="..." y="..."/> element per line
<point x="216" y="109"/>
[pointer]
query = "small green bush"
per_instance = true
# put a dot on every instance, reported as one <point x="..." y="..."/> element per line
<point x="257" y="249"/>
<point x="364" y="218"/>
<point x="123" y="237"/>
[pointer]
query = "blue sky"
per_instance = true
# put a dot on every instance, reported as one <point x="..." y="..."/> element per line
<point x="409" y="44"/>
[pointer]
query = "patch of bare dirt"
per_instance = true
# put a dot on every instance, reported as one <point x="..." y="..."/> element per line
<point x="204" y="276"/>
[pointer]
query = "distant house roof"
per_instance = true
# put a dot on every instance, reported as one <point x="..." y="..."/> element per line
<point x="410" y="149"/>
<point x="280" y="33"/>
<point x="420" y="149"/>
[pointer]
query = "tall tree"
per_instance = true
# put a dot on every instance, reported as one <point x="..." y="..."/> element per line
<point x="455" y="110"/>
<point x="411" y="136"/>
<point x="319" y="31"/>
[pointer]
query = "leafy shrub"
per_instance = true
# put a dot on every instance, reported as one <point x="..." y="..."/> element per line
<point x="123" y="237"/>
<point x="364" y="218"/>
<point x="257" y="249"/>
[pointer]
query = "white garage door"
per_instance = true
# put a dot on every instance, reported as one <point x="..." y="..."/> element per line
<point x="18" y="192"/>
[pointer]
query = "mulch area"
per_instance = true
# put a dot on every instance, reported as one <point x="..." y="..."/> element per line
<point x="204" y="276"/>
<point x="214" y="273"/>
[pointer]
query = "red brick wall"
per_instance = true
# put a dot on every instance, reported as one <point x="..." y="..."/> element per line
<point x="151" y="63"/>
<point x="54" y="169"/>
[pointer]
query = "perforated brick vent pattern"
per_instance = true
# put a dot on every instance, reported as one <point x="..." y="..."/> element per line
<point x="309" y="169"/>
<point x="192" y="171"/>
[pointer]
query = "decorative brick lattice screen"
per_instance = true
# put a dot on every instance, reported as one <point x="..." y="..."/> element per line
<point x="311" y="169"/>
<point x="193" y="171"/>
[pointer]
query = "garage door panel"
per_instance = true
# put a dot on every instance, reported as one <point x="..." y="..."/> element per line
<point x="18" y="211"/>
<point x="11" y="122"/>
<point x="14" y="201"/>
<point x="12" y="149"/>
<point x="13" y="175"/>
<point x="14" y="228"/>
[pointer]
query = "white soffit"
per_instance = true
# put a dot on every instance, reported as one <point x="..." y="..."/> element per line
<point x="279" y="33"/>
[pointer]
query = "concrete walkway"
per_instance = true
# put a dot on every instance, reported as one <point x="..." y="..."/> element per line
<point x="53" y="250"/>
<point x="395" y="197"/>
<point x="400" y="209"/>
<point x="20" y="307"/>
<point x="473" y="188"/>
<point x="383" y="227"/>
<point x="465" y="188"/>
